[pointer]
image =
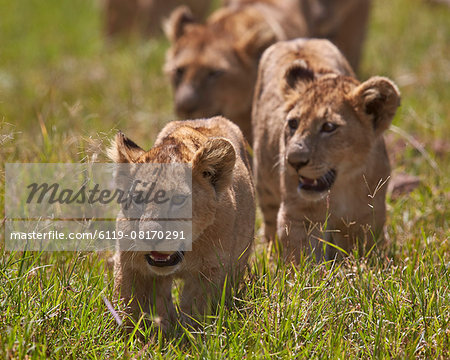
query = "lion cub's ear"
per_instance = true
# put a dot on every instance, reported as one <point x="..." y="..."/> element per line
<point x="179" y="18"/>
<point x="296" y="77"/>
<point x="377" y="98"/>
<point x="123" y="150"/>
<point x="215" y="162"/>
<point x="251" y="45"/>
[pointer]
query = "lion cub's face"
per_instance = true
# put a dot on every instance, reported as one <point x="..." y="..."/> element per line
<point x="331" y="125"/>
<point x="212" y="72"/>
<point x="212" y="161"/>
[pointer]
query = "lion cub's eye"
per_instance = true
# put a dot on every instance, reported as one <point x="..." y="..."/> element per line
<point x="179" y="73"/>
<point x="293" y="123"/>
<point x="178" y="199"/>
<point x="215" y="73"/>
<point x="328" y="127"/>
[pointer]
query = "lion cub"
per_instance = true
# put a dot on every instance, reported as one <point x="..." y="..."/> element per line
<point x="213" y="66"/>
<point x="320" y="160"/>
<point x="223" y="217"/>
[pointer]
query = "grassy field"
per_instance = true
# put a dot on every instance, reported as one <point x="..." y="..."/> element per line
<point x="64" y="92"/>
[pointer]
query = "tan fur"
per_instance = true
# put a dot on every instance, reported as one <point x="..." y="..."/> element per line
<point x="308" y="83"/>
<point x="223" y="219"/>
<point x="344" y="22"/>
<point x="213" y="66"/>
<point x="145" y="16"/>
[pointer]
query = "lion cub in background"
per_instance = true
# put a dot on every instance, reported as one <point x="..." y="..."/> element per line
<point x="223" y="217"/>
<point x="213" y="65"/>
<point x="320" y="160"/>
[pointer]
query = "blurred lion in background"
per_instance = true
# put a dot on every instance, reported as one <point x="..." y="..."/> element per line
<point x="145" y="16"/>
<point x="213" y="65"/>
<point x="344" y="22"/>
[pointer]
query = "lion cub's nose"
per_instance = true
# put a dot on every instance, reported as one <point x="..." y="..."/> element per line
<point x="297" y="156"/>
<point x="186" y="100"/>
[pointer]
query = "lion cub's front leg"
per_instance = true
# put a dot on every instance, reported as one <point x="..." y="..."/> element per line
<point x="300" y="236"/>
<point x="267" y="187"/>
<point x="146" y="294"/>
<point x="199" y="293"/>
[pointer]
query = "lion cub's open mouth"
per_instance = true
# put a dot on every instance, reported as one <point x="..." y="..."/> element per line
<point x="159" y="259"/>
<point x="318" y="185"/>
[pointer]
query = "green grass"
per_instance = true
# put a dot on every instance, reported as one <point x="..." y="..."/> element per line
<point x="63" y="94"/>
